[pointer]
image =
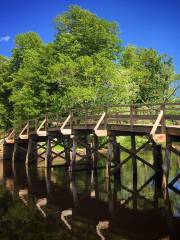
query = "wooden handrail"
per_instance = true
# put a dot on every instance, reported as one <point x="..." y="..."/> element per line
<point x="10" y="135"/>
<point x="44" y="121"/>
<point x="26" y="127"/>
<point x="66" y="121"/>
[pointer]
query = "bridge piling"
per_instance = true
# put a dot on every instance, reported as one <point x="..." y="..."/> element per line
<point x="48" y="157"/>
<point x="31" y="156"/>
<point x="67" y="151"/>
<point x="74" y="149"/>
<point x="158" y="162"/>
<point x="95" y="147"/>
<point x="20" y="151"/>
<point x="8" y="150"/>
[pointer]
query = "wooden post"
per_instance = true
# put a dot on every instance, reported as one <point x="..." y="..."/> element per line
<point x="163" y="120"/>
<point x="167" y="162"/>
<point x="116" y="152"/>
<point x="158" y="159"/>
<point x="110" y="155"/>
<point x="8" y="150"/>
<point x="117" y="161"/>
<point x="132" y="115"/>
<point x="31" y="156"/>
<point x="73" y="160"/>
<point x="28" y="155"/>
<point x="20" y="150"/>
<point x="134" y="162"/>
<point x="67" y="151"/>
<point x="88" y="150"/>
<point x="95" y="147"/>
<point x="48" y="153"/>
<point x="14" y="152"/>
<point x="134" y="168"/>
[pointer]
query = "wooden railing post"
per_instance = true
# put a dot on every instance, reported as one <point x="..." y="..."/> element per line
<point x="132" y="115"/>
<point x="28" y="127"/>
<point x="163" y="120"/>
<point x="57" y="119"/>
<point x="71" y="119"/>
<point x="36" y="124"/>
<point x="106" y="117"/>
<point x="46" y="123"/>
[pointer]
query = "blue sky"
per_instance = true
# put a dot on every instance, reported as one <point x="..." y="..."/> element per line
<point x="144" y="23"/>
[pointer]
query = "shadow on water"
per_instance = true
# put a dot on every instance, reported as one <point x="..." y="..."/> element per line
<point x="36" y="203"/>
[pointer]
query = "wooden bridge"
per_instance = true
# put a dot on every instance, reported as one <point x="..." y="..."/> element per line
<point x="84" y="134"/>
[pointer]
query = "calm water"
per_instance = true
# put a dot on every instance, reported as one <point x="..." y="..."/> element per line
<point x="36" y="204"/>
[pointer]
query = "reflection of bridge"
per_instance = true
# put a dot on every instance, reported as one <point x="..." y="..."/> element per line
<point x="92" y="131"/>
<point x="124" y="219"/>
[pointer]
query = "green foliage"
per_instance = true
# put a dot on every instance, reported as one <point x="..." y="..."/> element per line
<point x="5" y="106"/>
<point x="81" y="33"/>
<point x="150" y="71"/>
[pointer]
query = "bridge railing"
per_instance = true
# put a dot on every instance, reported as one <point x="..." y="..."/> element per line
<point x="172" y="113"/>
<point x="122" y="114"/>
<point x="125" y="114"/>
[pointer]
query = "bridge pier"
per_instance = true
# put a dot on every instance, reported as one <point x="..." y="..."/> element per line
<point x="158" y="163"/>
<point x="20" y="151"/>
<point x="57" y="147"/>
<point x="8" y="150"/>
<point x="74" y="153"/>
<point x="48" y="156"/>
<point x="167" y="160"/>
<point x="95" y="146"/>
<point x="32" y="155"/>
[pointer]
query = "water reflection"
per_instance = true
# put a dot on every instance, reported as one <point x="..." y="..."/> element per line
<point x="88" y="205"/>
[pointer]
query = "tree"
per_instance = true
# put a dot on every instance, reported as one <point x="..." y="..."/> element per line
<point x="81" y="33"/>
<point x="5" y="106"/>
<point x="24" y="42"/>
<point x="24" y="81"/>
<point x="152" y="72"/>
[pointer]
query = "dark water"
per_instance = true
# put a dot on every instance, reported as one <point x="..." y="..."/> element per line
<point x="41" y="204"/>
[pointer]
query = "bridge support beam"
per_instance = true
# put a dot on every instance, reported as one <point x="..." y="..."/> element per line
<point x="95" y="147"/>
<point x="19" y="153"/>
<point x="74" y="152"/>
<point x="113" y="156"/>
<point x="31" y="156"/>
<point x="8" y="150"/>
<point x="48" y="156"/>
<point x="167" y="159"/>
<point x="67" y="151"/>
<point x="158" y="161"/>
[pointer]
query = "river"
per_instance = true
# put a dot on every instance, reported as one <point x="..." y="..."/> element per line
<point x="36" y="204"/>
